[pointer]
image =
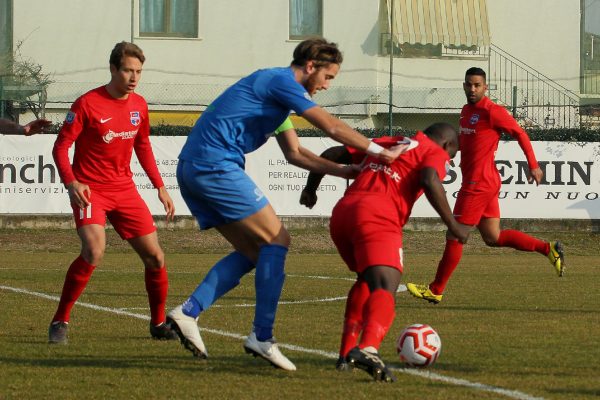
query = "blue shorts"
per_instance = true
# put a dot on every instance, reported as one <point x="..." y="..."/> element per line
<point x="220" y="196"/>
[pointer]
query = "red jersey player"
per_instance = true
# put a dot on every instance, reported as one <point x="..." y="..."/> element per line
<point x="481" y="123"/>
<point x="366" y="227"/>
<point x="107" y="124"/>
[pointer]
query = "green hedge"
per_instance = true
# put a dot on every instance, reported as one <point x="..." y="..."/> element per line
<point x="552" y="135"/>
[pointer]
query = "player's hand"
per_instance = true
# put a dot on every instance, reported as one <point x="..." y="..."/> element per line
<point x="536" y="175"/>
<point x="79" y="194"/>
<point x="308" y="198"/>
<point x="37" y="126"/>
<point x="167" y="202"/>
<point x="460" y="232"/>
<point x="390" y="154"/>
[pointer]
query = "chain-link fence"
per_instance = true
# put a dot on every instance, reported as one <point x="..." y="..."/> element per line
<point x="361" y="107"/>
<point x="535" y="107"/>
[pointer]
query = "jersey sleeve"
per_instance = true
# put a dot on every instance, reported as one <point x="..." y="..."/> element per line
<point x="286" y="91"/>
<point x="143" y="151"/>
<point x="285" y="126"/>
<point x="72" y="127"/>
<point x="437" y="159"/>
<point x="502" y="121"/>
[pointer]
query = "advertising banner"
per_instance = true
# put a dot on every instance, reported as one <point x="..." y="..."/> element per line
<point x="29" y="182"/>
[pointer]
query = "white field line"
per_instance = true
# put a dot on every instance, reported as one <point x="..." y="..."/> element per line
<point x="243" y="305"/>
<point x="513" y="394"/>
<point x="401" y="288"/>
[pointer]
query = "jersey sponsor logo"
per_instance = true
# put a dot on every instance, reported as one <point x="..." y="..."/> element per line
<point x="375" y="167"/>
<point x="474" y="118"/>
<point x="104" y="120"/>
<point x="70" y="117"/>
<point x="466" y="131"/>
<point x="110" y="135"/>
<point x="134" y="117"/>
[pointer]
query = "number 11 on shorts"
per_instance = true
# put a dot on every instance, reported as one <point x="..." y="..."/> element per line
<point x="85" y="212"/>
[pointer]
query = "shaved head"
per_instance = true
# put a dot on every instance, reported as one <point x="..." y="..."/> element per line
<point x="445" y="135"/>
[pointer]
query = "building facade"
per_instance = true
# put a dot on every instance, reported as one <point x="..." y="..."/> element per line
<point x="531" y="49"/>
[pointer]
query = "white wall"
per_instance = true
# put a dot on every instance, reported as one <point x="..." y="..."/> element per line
<point x="541" y="33"/>
<point x="73" y="38"/>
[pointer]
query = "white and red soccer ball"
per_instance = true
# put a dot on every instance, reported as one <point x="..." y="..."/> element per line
<point x="419" y="345"/>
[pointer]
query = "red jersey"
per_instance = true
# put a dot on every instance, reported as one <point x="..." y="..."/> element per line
<point x="480" y="127"/>
<point x="105" y="131"/>
<point x="399" y="182"/>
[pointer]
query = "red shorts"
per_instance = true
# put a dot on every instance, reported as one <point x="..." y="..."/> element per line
<point x="367" y="232"/>
<point x="126" y="211"/>
<point x="473" y="205"/>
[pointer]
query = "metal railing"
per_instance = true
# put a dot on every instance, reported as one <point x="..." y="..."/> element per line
<point x="534" y="99"/>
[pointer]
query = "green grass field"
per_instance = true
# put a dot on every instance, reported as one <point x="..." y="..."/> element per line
<point x="509" y="327"/>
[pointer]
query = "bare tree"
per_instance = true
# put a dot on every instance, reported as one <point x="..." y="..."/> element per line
<point x="23" y="85"/>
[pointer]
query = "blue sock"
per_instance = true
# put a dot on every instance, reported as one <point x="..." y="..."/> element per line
<point x="222" y="277"/>
<point x="268" y="283"/>
<point x="191" y="307"/>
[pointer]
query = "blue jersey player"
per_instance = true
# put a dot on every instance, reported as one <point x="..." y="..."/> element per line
<point x="221" y="195"/>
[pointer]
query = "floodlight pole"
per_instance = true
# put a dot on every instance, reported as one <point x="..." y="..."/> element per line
<point x="391" y="96"/>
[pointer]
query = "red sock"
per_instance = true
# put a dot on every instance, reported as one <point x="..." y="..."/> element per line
<point x="353" y="318"/>
<point x="447" y="265"/>
<point x="378" y="316"/>
<point x="157" y="285"/>
<point x="78" y="275"/>
<point x="522" y="241"/>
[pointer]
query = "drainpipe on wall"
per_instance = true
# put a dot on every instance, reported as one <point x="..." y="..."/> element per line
<point x="132" y="19"/>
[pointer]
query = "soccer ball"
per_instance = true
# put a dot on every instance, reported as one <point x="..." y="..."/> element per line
<point x="419" y="345"/>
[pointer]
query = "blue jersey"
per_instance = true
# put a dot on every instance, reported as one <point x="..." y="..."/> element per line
<point x="243" y="117"/>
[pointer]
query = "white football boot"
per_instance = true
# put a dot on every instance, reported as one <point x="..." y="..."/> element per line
<point x="269" y="351"/>
<point x="188" y="332"/>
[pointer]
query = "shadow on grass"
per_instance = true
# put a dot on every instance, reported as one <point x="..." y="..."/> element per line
<point x="243" y="365"/>
<point x="498" y="309"/>
<point x="577" y="391"/>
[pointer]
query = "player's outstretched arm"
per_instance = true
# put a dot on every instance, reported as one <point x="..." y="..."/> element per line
<point x="8" y="127"/>
<point x="437" y="198"/>
<point x="37" y="126"/>
<point x="337" y="154"/>
<point x="341" y="132"/>
<point x="504" y="122"/>
<point x="306" y="159"/>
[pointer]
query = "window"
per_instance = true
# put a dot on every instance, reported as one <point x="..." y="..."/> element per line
<point x="306" y="18"/>
<point x="590" y="47"/>
<point x="169" y="18"/>
<point x="434" y="28"/>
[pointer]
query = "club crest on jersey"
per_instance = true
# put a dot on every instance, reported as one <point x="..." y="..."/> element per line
<point x="474" y="119"/>
<point x="134" y="117"/>
<point x="70" y="117"/>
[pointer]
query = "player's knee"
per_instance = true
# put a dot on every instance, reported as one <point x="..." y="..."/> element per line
<point x="282" y="238"/>
<point x="490" y="240"/>
<point x="154" y="259"/>
<point x="92" y="255"/>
